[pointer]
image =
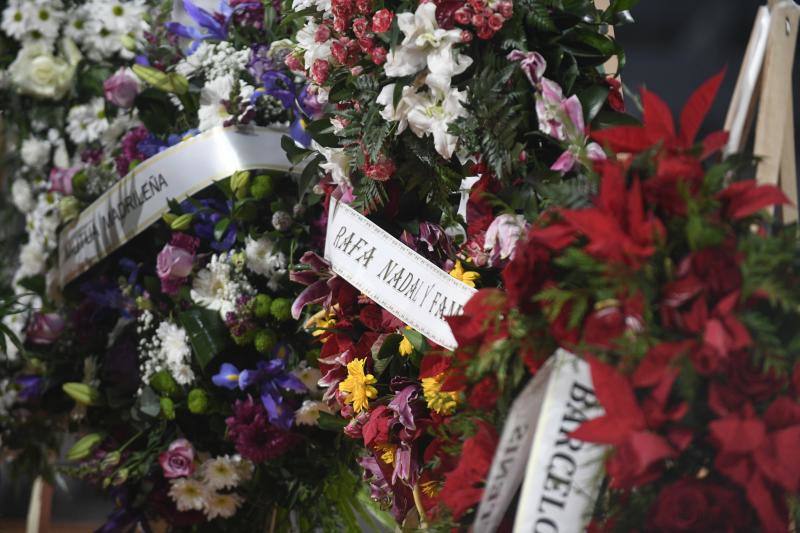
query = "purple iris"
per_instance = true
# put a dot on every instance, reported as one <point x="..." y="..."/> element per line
<point x="30" y="387"/>
<point x="207" y="214"/>
<point x="151" y="145"/>
<point x="215" y="24"/>
<point x="228" y="377"/>
<point x="271" y="377"/>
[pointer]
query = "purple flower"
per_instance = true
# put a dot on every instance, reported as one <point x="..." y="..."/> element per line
<point x="502" y="237"/>
<point x="178" y="460"/>
<point x="122" y="88"/>
<point x="227" y="377"/>
<point x="175" y="261"/>
<point x="129" y="149"/>
<point x="271" y="378"/>
<point x="30" y="387"/>
<point x="45" y="328"/>
<point x="532" y="63"/>
<point x="254" y="437"/>
<point x="61" y="179"/>
<point x="206" y="216"/>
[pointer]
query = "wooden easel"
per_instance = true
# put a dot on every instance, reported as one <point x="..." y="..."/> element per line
<point x="766" y="76"/>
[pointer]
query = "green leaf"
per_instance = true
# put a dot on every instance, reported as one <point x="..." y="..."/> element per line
<point x="295" y="153"/>
<point x="592" y="100"/>
<point x="156" y="111"/>
<point x="416" y="339"/>
<point x="387" y="351"/>
<point x="206" y="332"/>
<point x="149" y="402"/>
<point x="622" y="5"/>
<point x="329" y="422"/>
<point x="220" y="228"/>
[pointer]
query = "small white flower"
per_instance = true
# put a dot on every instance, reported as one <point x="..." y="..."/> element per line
<point x="308" y="414"/>
<point x="215" y="93"/>
<point x="263" y="259"/>
<point x="32" y="258"/>
<point x="35" y="152"/>
<point x="321" y="5"/>
<point x="426" y="44"/>
<point x="222" y="505"/>
<point x="310" y="376"/>
<point x="218" y="287"/>
<point x="221" y="473"/>
<point x="188" y="494"/>
<point x="175" y="351"/>
<point x="21" y="195"/>
<point x="87" y="122"/>
<point x="15" y="23"/>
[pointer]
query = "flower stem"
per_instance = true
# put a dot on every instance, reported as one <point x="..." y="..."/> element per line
<point x="423" y="521"/>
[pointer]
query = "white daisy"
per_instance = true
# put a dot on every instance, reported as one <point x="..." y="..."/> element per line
<point x="220" y="473"/>
<point x="188" y="494"/>
<point x="213" y="96"/>
<point x="263" y="259"/>
<point x="85" y="123"/>
<point x="44" y="21"/>
<point x="222" y="505"/>
<point x="217" y="286"/>
<point x="15" y="22"/>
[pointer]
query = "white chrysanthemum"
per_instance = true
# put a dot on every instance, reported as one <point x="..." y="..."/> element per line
<point x="85" y="123"/>
<point x="15" y="23"/>
<point x="22" y="195"/>
<point x="308" y="414"/>
<point x="32" y="259"/>
<point x="215" y="93"/>
<point x="43" y="21"/>
<point x="76" y="27"/>
<point x="218" y="286"/>
<point x="188" y="494"/>
<point x="244" y="466"/>
<point x="221" y="505"/>
<point x="35" y="152"/>
<point x="176" y="352"/>
<point x="263" y="259"/>
<point x="221" y="473"/>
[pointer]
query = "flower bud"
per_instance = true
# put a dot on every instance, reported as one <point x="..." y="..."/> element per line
<point x="281" y="220"/>
<point x="197" y="401"/>
<point x="262" y="306"/>
<point x="82" y="393"/>
<point x="182" y="222"/>
<point x="164" y="383"/>
<point x="167" y="408"/>
<point x="84" y="446"/>
<point x="111" y="459"/>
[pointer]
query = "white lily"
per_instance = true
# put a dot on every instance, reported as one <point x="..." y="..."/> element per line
<point x="398" y="114"/>
<point x="337" y="163"/>
<point x="425" y="44"/>
<point x="432" y="112"/>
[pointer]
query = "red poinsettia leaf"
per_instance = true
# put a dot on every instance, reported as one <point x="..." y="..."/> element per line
<point x="658" y="121"/>
<point x="737" y="435"/>
<point x="603" y="430"/>
<point x="612" y="188"/>
<point x="777" y="459"/>
<point x="555" y="237"/>
<point x="759" y="495"/>
<point x="649" y="448"/>
<point x="713" y="143"/>
<point x="433" y="364"/>
<point x="630" y="139"/>
<point x="615" y="394"/>
<point x="745" y="198"/>
<point x="697" y="107"/>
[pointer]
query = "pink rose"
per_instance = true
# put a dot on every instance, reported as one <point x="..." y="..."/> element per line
<point x="178" y="460"/>
<point x="175" y="262"/>
<point x="45" y="328"/>
<point x="121" y="88"/>
<point x="61" y="179"/>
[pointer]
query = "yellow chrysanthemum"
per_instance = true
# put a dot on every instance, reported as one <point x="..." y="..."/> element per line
<point x="442" y="402"/>
<point x="468" y="277"/>
<point x="387" y="452"/>
<point x="405" y="348"/>
<point x="358" y="386"/>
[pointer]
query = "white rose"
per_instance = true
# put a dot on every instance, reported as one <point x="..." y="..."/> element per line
<point x="21" y="195"/>
<point x="32" y="258"/>
<point x="37" y="72"/>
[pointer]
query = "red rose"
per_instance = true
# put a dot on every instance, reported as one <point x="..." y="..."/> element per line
<point x="483" y="395"/>
<point x="382" y="21"/>
<point x="694" y="505"/>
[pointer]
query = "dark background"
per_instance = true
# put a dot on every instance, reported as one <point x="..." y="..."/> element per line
<point x="673" y="47"/>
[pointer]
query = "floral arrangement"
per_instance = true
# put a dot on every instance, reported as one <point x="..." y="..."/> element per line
<point x="451" y="124"/>
<point x="674" y="288"/>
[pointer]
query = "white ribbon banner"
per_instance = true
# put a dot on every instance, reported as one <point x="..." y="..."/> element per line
<point x="140" y="198"/>
<point x="394" y="276"/>
<point x="560" y="474"/>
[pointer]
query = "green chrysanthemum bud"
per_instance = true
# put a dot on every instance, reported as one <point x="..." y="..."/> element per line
<point x="69" y="207"/>
<point x="198" y="401"/>
<point x="240" y="184"/>
<point x="243" y="340"/>
<point x="84" y="446"/>
<point x="265" y="340"/>
<point x="82" y="393"/>
<point x="281" y="309"/>
<point x="262" y="306"/>
<point x="167" y="408"/>
<point x="79" y="182"/>
<point x="262" y="187"/>
<point x="164" y="383"/>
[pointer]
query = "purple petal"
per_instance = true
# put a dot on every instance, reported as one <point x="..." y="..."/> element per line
<point x="401" y="405"/>
<point x="314" y="293"/>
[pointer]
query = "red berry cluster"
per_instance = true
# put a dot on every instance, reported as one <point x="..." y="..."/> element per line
<point x="485" y="19"/>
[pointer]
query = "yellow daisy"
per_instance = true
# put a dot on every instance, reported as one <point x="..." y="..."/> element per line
<point x="358" y="386"/>
<point x="441" y="402"/>
<point x="467" y="276"/>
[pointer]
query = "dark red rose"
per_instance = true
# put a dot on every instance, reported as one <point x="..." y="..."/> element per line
<point x="483" y="395"/>
<point x="694" y="505"/>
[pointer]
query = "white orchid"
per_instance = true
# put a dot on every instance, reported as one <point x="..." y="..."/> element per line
<point x="432" y="112"/>
<point x="426" y="44"/>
